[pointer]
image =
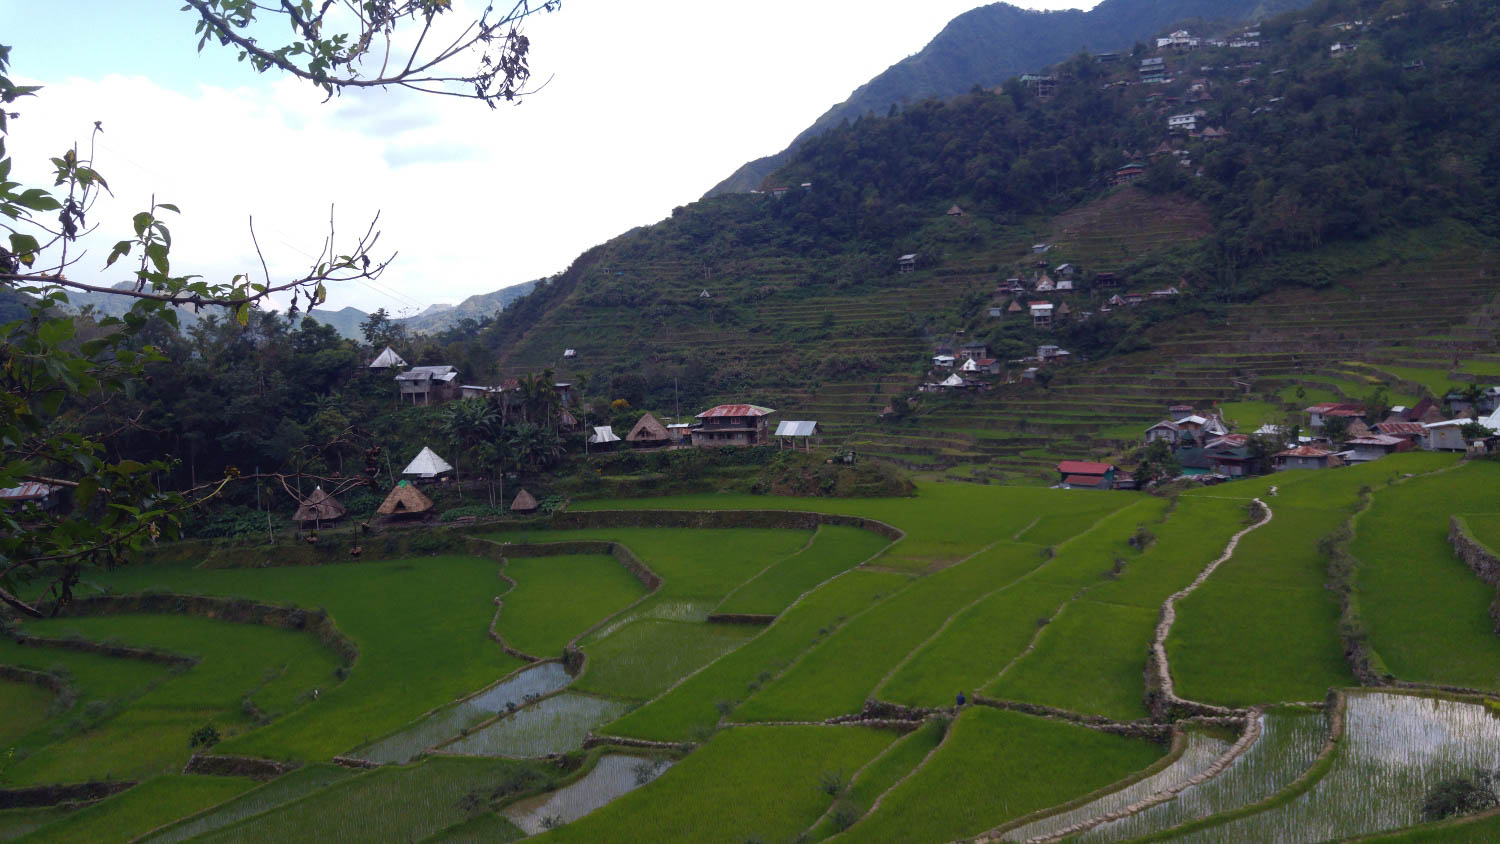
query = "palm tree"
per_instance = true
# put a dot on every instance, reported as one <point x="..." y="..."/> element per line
<point x="466" y="425"/>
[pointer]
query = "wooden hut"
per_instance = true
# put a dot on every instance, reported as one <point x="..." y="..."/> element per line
<point x="648" y="432"/>
<point x="404" y="500"/>
<point x="318" y="508"/>
<point x="524" y="502"/>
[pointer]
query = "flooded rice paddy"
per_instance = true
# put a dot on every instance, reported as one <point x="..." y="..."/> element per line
<point x="1201" y="751"/>
<point x="1395" y="748"/>
<point x="696" y="611"/>
<point x="527" y="684"/>
<point x="1288" y="744"/>
<point x="612" y="777"/>
<point x="553" y="725"/>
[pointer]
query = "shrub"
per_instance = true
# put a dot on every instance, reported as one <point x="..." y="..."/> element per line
<point x="831" y="783"/>
<point x="1460" y="796"/>
<point x="205" y="736"/>
<point x="844" y="815"/>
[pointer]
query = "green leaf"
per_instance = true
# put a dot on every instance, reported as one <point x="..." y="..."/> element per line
<point x="56" y="331"/>
<point x="121" y="250"/>
<point x="38" y="200"/>
<point x="243" y="314"/>
<point x="87" y="488"/>
<point x="168" y="206"/>
<point x="157" y="252"/>
<point x="141" y="221"/>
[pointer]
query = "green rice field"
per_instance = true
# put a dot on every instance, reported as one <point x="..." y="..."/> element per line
<point x="1050" y="599"/>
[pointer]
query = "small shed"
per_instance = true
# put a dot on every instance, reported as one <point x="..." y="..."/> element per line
<point x="648" y="431"/>
<point x="318" y="508"/>
<point x="603" y="435"/>
<point x="404" y="500"/>
<point x="524" y="502"/>
<point x="570" y="353"/>
<point x="387" y="359"/>
<point x="789" y="433"/>
<point x="427" y="464"/>
<point x="955" y="211"/>
<point x="906" y="263"/>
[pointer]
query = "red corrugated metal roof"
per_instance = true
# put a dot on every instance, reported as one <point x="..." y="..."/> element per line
<point x="26" y="491"/>
<point x="735" y="410"/>
<point x="1083" y="467"/>
<point x="1399" y="428"/>
<point x="1083" y="480"/>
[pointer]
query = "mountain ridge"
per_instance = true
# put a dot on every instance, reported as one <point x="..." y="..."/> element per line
<point x="989" y="44"/>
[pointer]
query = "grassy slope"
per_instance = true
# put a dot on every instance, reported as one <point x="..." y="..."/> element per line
<point x="968" y="787"/>
<point x="1428" y="614"/>
<point x="834" y="549"/>
<point x="556" y="598"/>
<point x="690" y="707"/>
<point x="942" y="522"/>
<point x="1485" y="527"/>
<point x="275" y="668"/>
<point x="141" y="809"/>
<point x="759" y="782"/>
<point x="642" y="659"/>
<point x="420" y="626"/>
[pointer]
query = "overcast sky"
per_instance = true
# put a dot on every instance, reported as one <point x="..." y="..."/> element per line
<point x="649" y="104"/>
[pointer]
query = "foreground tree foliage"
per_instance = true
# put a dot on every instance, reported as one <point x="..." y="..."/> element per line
<point x="74" y="389"/>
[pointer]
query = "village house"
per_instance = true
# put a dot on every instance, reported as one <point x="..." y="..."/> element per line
<point x="1083" y="474"/>
<point x="1306" y="457"/>
<point x="1125" y="174"/>
<point x="906" y="263"/>
<point x="1053" y="354"/>
<point x="943" y="361"/>
<point x="40" y="495"/>
<point x="1041" y="314"/>
<point x="1230" y="455"/>
<point x="429" y="383"/>
<point x="1066" y="272"/>
<point x="1411" y="432"/>
<point x="1318" y="413"/>
<point x="1180" y="39"/>
<point x="980" y="366"/>
<point x="648" y="432"/>
<point x="1182" y="122"/>
<point x="1166" y="430"/>
<point x="733" y="424"/>
<point x="1373" y="447"/>
<point x="1445" y="436"/>
<point x="603" y="437"/>
<point x="969" y="351"/>
<point x="955" y="211"/>
<point x="427" y="465"/>
<point x="387" y="359"/>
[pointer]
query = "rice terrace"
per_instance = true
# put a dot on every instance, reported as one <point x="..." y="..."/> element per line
<point x="761" y="668"/>
<point x="1087" y="431"/>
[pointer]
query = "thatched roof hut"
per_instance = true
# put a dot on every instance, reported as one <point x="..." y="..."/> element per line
<point x="524" y="502"/>
<point x="404" y="499"/>
<point x="319" y="507"/>
<point x="648" y="430"/>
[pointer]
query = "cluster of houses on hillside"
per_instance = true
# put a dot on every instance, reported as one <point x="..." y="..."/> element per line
<point x="1339" y="434"/>
<point x="966" y="367"/>
<point x="1042" y="294"/>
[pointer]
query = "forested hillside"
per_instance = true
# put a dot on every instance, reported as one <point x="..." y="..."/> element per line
<point x="987" y="45"/>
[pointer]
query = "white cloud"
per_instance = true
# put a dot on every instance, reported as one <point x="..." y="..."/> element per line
<point x="647" y="107"/>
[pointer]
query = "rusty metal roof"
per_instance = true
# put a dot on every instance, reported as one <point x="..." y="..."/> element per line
<point x="727" y="410"/>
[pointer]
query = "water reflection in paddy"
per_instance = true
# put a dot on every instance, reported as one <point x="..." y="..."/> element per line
<point x="612" y="777"/>
<point x="542" y="679"/>
<point x="554" y="725"/>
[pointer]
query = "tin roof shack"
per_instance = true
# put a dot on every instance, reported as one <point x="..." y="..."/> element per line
<point x="387" y="359"/>
<point x="318" y="508"/>
<point x="1410" y="431"/>
<point x="648" y="432"/>
<point x="427" y="465"/>
<point x="429" y="383"/>
<point x="1082" y="474"/>
<point x="603" y="437"/>
<point x="40" y="495"/>
<point x="1447" y="436"/>
<point x="1306" y="457"/>
<point x="733" y="424"/>
<point x="1323" y="411"/>
<point x="1374" y="447"/>
<point x="789" y="434"/>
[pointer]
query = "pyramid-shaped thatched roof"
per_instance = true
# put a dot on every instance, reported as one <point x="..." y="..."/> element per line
<point x="404" y="498"/>
<point x="427" y="464"/>
<point x="387" y="359"/>
<point x="319" y="507"/>
<point x="524" y="502"/>
<point x="648" y="429"/>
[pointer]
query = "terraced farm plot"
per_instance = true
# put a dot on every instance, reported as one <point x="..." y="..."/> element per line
<point x="389" y="804"/>
<point x="747" y="783"/>
<point x="881" y="774"/>
<point x="941" y="524"/>
<point x="1089" y="659"/>
<point x="556" y="598"/>
<point x="149" y="805"/>
<point x="1427" y="612"/>
<point x="835" y="677"/>
<point x="834" y="549"/>
<point x="263" y="798"/>
<point x="421" y="627"/>
<point x="645" y="657"/>
<point x="25" y="707"/>
<point x="691" y="707"/>
<point x="696" y="565"/>
<point x="967" y="787"/>
<point x="1485" y="527"/>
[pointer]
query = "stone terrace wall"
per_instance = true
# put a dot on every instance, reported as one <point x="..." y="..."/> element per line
<point x="51" y="795"/>
<point x="1479" y="557"/>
